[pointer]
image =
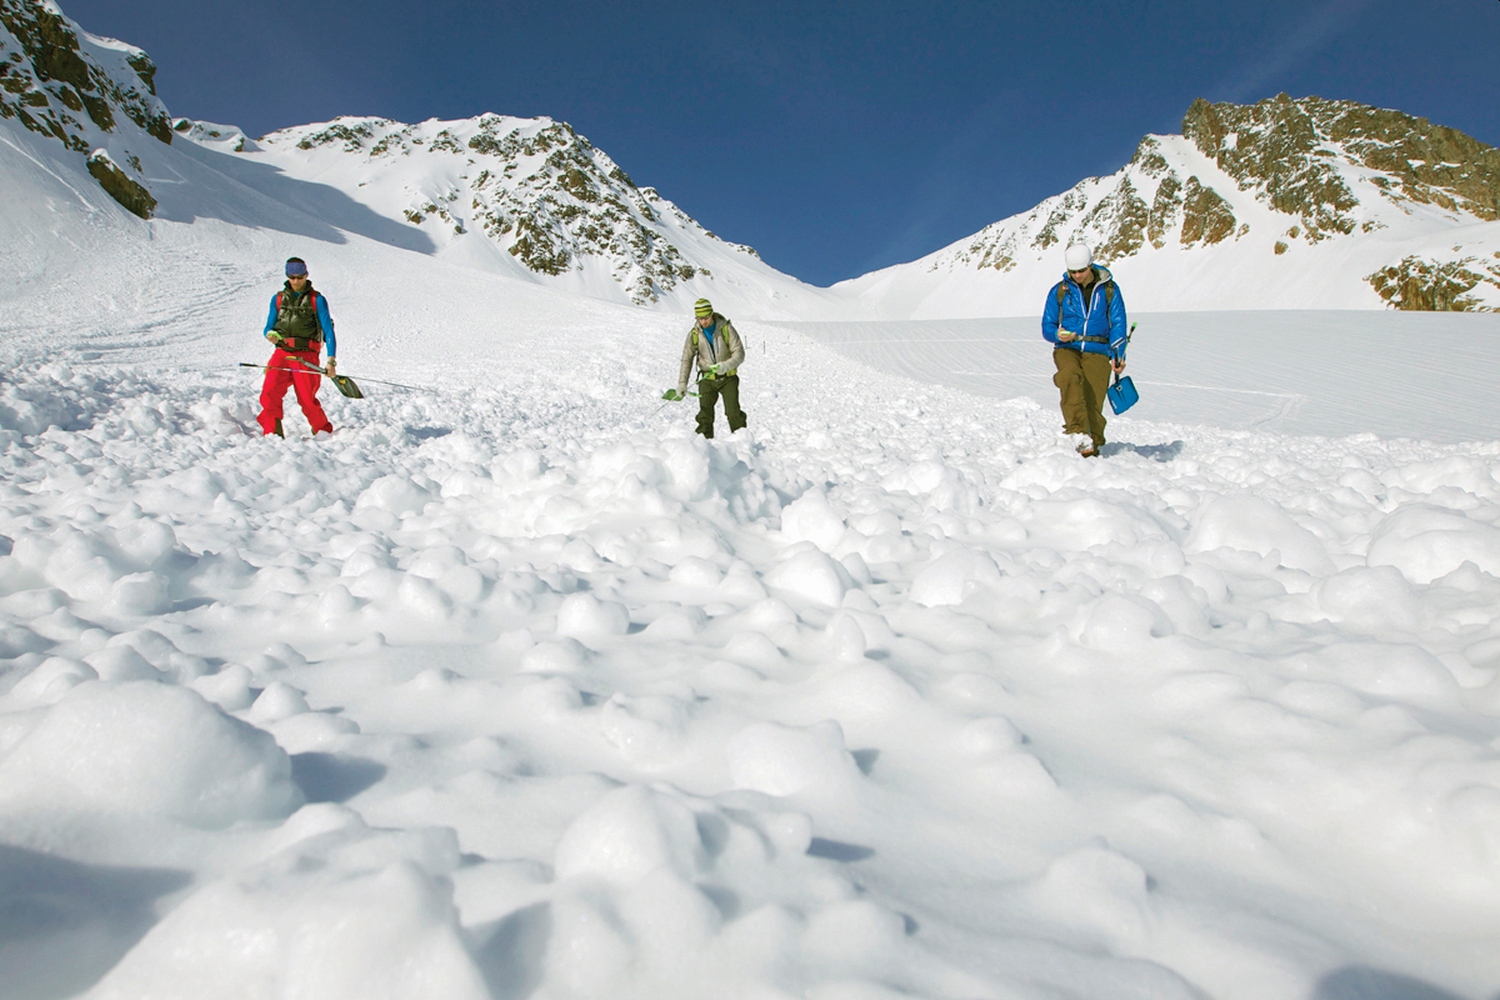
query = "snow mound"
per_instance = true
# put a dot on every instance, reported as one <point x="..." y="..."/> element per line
<point x="142" y="748"/>
<point x="377" y="920"/>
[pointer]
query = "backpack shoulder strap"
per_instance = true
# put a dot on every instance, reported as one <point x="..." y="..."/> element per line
<point x="278" y="302"/>
<point x="1062" y="293"/>
<point x="1109" y="293"/>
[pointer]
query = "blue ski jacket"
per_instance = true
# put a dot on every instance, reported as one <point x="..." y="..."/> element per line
<point x="325" y="320"/>
<point x="1102" y="324"/>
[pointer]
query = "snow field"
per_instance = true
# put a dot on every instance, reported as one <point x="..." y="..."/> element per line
<point x="1332" y="374"/>
<point x="521" y="690"/>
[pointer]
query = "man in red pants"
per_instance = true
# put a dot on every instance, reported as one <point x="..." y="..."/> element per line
<point x="299" y="325"/>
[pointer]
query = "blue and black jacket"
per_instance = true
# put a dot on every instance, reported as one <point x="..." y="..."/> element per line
<point x="1102" y="323"/>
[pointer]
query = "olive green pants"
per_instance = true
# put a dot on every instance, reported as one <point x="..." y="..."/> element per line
<point x="709" y="390"/>
<point x="1083" y="379"/>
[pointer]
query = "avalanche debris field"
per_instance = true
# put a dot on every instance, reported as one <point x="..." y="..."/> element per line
<point x="514" y="688"/>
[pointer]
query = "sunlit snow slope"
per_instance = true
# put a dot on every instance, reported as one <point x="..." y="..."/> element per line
<point x="516" y="688"/>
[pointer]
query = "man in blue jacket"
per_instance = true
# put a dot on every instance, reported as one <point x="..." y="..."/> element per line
<point x="1085" y="318"/>
<point x="299" y="325"/>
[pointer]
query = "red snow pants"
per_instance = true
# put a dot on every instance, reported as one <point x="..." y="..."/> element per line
<point x="281" y="371"/>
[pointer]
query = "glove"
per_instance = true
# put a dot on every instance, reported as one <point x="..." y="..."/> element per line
<point x="672" y="394"/>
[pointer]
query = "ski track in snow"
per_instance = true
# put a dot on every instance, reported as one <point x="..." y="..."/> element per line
<point x="544" y="696"/>
<point x="1416" y="375"/>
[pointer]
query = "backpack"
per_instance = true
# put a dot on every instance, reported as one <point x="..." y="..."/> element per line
<point x="695" y="347"/>
<point x="312" y="301"/>
<point x="1109" y="294"/>
<point x="300" y="343"/>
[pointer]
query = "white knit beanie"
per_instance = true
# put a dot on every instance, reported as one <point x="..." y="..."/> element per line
<point x="1078" y="257"/>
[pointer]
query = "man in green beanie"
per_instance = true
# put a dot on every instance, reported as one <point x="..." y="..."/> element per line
<point x="716" y="346"/>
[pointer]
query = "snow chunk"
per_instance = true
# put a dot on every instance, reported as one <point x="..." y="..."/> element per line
<point x="647" y="729"/>
<point x="695" y="572"/>
<point x="348" y="915"/>
<point x="1372" y="598"/>
<point x="628" y="834"/>
<point x="396" y="494"/>
<point x="1121" y="621"/>
<point x="278" y="701"/>
<point x="1098" y="890"/>
<point x="562" y="657"/>
<point x="142" y="747"/>
<point x="810" y="519"/>
<point x="140" y="594"/>
<point x="1426" y="542"/>
<point x="50" y="681"/>
<point x="1252" y="524"/>
<point x="686" y="461"/>
<point x="812" y="576"/>
<point x="677" y="625"/>
<point x="991" y="736"/>
<point x="122" y="663"/>
<point x="229" y="688"/>
<point x="952" y="577"/>
<point x="943" y="487"/>
<point x="784" y="760"/>
<point x="423" y="598"/>
<point x="584" y="616"/>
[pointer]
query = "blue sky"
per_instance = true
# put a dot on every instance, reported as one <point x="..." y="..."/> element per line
<point x="834" y="137"/>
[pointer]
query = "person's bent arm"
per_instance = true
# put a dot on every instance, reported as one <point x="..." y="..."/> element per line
<point x="686" y="370"/>
<point x="1052" y="320"/>
<point x="325" y="320"/>
<point x="1119" y="332"/>
<point x="736" y="349"/>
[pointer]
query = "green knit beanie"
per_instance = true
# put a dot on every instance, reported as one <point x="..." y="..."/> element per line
<point x="702" y="308"/>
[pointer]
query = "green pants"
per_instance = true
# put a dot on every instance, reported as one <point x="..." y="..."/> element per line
<point x="1082" y="378"/>
<point x="709" y="390"/>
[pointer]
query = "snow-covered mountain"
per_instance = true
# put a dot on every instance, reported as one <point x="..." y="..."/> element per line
<point x="521" y="198"/>
<point x="1285" y="204"/>
<point x="1288" y="203"/>
<point x="527" y="197"/>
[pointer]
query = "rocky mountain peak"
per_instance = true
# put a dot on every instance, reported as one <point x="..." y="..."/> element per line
<point x="1246" y="182"/>
<point x="1287" y="149"/>
<point x="63" y="83"/>
<point x="535" y="187"/>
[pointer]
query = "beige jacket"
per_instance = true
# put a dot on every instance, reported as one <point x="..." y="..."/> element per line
<point x="726" y="351"/>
